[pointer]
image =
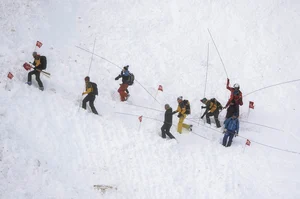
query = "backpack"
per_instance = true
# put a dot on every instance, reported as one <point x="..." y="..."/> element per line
<point x="232" y="124"/>
<point x="217" y="103"/>
<point x="95" y="89"/>
<point x="43" y="62"/>
<point x="130" y="79"/>
<point x="187" y="107"/>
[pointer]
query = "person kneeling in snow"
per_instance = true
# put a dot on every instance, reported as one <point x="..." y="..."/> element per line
<point x="232" y="126"/>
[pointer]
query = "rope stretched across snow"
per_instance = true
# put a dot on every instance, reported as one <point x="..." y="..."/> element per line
<point x="269" y="146"/>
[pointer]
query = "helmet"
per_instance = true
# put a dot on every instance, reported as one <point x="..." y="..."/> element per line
<point x="179" y="98"/>
<point x="236" y="86"/>
<point x="87" y="78"/>
<point x="203" y="100"/>
<point x="34" y="54"/>
<point x="126" y="67"/>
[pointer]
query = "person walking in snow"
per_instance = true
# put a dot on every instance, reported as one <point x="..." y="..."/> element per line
<point x="165" y="129"/>
<point x="181" y="110"/>
<point x="90" y="95"/>
<point x="231" y="129"/>
<point x="235" y="100"/>
<point x="40" y="63"/>
<point x="123" y="89"/>
<point x="212" y="109"/>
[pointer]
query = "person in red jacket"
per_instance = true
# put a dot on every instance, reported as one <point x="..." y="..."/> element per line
<point x="235" y="100"/>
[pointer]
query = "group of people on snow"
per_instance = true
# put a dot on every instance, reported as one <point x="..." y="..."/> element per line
<point x="40" y="63"/>
<point x="212" y="106"/>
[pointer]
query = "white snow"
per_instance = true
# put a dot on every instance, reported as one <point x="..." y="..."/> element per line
<point x="52" y="148"/>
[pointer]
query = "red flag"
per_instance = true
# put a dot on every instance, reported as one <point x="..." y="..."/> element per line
<point x="140" y="118"/>
<point x="10" y="75"/>
<point x="251" y="104"/>
<point x="38" y="44"/>
<point x="248" y="142"/>
<point x="27" y="66"/>
<point x="160" y="88"/>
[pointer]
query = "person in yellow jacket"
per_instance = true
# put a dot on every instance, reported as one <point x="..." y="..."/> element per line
<point x="90" y="95"/>
<point x="181" y="110"/>
<point x="212" y="109"/>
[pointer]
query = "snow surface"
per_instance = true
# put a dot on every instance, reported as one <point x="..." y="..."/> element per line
<point x="51" y="148"/>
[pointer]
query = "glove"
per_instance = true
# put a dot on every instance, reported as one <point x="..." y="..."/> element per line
<point x="179" y="115"/>
<point x="116" y="78"/>
<point x="203" y="107"/>
<point x="236" y="134"/>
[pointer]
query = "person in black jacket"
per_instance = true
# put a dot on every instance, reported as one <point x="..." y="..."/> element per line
<point x="40" y="63"/>
<point x="165" y="129"/>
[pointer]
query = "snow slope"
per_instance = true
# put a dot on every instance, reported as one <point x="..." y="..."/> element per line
<point x="51" y="148"/>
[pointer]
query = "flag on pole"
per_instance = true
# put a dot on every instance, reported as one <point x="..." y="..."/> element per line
<point x="39" y="44"/>
<point x="251" y="104"/>
<point x="141" y="118"/>
<point x="10" y="75"/>
<point x="160" y="88"/>
<point x="27" y="66"/>
<point x="248" y="142"/>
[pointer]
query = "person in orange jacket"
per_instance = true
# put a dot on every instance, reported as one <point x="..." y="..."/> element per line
<point x="235" y="101"/>
<point x="181" y="110"/>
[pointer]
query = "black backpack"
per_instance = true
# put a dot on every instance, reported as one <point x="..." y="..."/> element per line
<point x="95" y="89"/>
<point x="217" y="103"/>
<point x="43" y="62"/>
<point x="130" y="79"/>
<point x="187" y="107"/>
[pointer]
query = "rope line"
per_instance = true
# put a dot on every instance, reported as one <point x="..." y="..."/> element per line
<point x="265" y="145"/>
<point x="272" y="86"/>
<point x="92" y="57"/>
<point x="262" y="125"/>
<point x="218" y="53"/>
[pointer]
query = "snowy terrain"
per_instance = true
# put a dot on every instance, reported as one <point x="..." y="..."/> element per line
<point x="52" y="148"/>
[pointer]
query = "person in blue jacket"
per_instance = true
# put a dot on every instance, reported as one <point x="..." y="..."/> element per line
<point x="231" y="128"/>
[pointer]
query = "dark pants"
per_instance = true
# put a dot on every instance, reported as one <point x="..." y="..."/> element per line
<point x="229" y="134"/>
<point x="165" y="129"/>
<point x="231" y="110"/>
<point x="89" y="98"/>
<point x="216" y="115"/>
<point x="37" y="77"/>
